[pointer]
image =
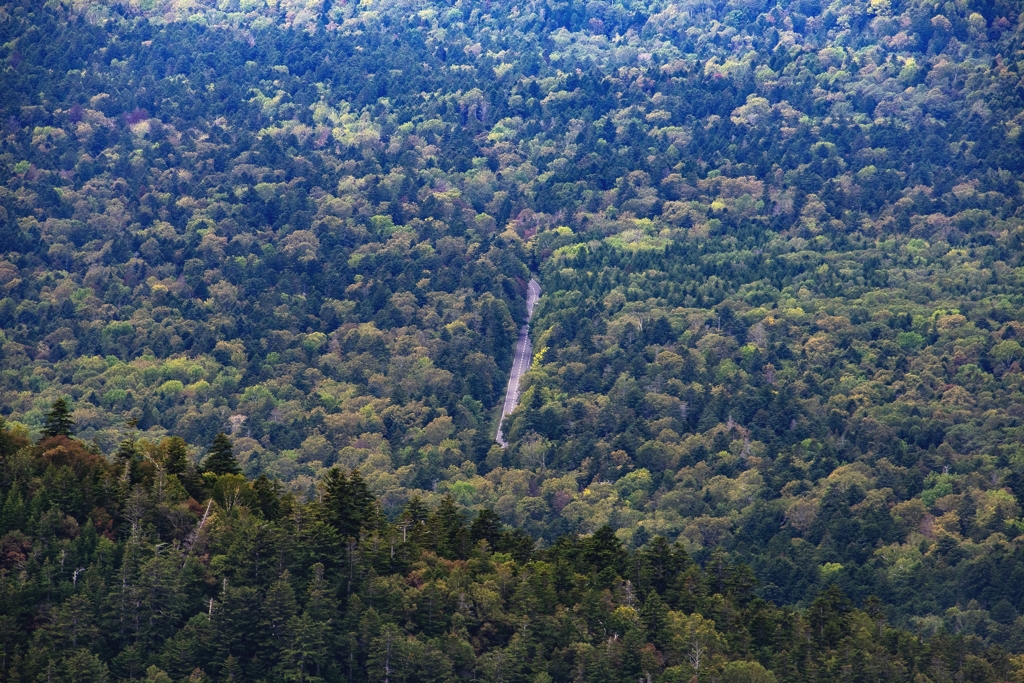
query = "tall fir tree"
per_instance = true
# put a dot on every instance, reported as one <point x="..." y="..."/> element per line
<point x="486" y="527"/>
<point x="58" y="420"/>
<point x="347" y="501"/>
<point x="447" y="527"/>
<point x="220" y="458"/>
<point x="175" y="455"/>
<point x="128" y="455"/>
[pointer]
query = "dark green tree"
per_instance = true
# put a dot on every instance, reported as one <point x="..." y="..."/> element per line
<point x="175" y="455"/>
<point x="486" y="527"/>
<point x="128" y="455"/>
<point x="220" y="459"/>
<point x="347" y="501"/>
<point x="448" y="530"/>
<point x="829" y="616"/>
<point x="268" y="496"/>
<point x="415" y="511"/>
<point x="279" y="607"/>
<point x="127" y="451"/>
<point x="58" y="420"/>
<point x="603" y="551"/>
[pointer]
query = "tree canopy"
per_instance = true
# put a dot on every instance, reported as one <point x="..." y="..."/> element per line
<point x="135" y="579"/>
<point x="780" y="247"/>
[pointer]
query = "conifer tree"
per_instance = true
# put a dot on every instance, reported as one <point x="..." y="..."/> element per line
<point x="268" y="496"/>
<point x="279" y="607"/>
<point x="127" y="451"/>
<point x="415" y="511"/>
<point x="486" y="527"/>
<point x="128" y="455"/>
<point x="175" y="455"/>
<point x="604" y="551"/>
<point x="448" y="530"/>
<point x="220" y="458"/>
<point x="12" y="515"/>
<point x="347" y="501"/>
<point x="58" y="420"/>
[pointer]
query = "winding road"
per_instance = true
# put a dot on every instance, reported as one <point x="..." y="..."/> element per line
<point x="524" y="354"/>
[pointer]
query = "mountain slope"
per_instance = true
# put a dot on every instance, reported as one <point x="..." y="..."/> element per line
<point x="779" y="246"/>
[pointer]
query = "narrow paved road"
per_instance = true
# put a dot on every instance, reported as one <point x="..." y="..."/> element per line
<point x="524" y="354"/>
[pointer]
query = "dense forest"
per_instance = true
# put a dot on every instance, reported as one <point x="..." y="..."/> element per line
<point x="777" y="357"/>
<point x="119" y="573"/>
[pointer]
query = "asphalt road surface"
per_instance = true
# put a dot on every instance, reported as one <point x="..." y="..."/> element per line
<point x="524" y="354"/>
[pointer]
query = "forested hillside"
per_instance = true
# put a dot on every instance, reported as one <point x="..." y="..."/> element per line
<point x="120" y="574"/>
<point x="780" y="251"/>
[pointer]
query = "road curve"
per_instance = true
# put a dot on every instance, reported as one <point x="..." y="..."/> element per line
<point x="524" y="354"/>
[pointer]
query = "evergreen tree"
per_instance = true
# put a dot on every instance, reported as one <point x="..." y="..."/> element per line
<point x="12" y="515"/>
<point x="127" y="451"/>
<point x="660" y="563"/>
<point x="654" y="616"/>
<point x="58" y="420"/>
<point x="486" y="527"/>
<point x="268" y="496"/>
<point x="415" y="511"/>
<point x="448" y="530"/>
<point x="279" y="607"/>
<point x="388" y="655"/>
<point x="175" y="455"/>
<point x="309" y="654"/>
<point x="362" y="499"/>
<point x="603" y="552"/>
<point x="129" y="663"/>
<point x="347" y="501"/>
<point x="220" y="458"/>
<point x="128" y="455"/>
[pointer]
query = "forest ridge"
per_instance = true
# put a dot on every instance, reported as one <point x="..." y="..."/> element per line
<point x="259" y="586"/>
<point x="779" y="245"/>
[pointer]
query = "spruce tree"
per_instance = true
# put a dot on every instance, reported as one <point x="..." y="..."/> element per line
<point x="362" y="499"/>
<point x="415" y="511"/>
<point x="175" y="455"/>
<point x="128" y="451"/>
<point x="58" y="420"/>
<point x="220" y="459"/>
<point x="603" y="551"/>
<point x="268" y="496"/>
<point x="337" y="499"/>
<point x="347" y="501"/>
<point x="413" y="519"/>
<point x="448" y="528"/>
<point x="128" y="454"/>
<point x="486" y="527"/>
